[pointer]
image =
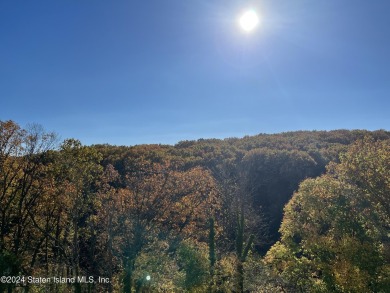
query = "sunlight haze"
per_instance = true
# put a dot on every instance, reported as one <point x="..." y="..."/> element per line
<point x="128" y="72"/>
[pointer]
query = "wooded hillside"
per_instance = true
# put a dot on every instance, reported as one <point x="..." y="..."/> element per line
<point x="304" y="211"/>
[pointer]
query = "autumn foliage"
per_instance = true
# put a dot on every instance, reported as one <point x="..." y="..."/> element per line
<point x="291" y="212"/>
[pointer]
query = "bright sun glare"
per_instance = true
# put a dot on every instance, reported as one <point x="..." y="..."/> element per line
<point x="248" y="20"/>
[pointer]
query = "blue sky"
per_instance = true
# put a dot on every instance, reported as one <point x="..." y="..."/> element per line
<point x="134" y="72"/>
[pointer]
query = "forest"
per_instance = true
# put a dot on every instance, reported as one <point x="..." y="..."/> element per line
<point x="304" y="211"/>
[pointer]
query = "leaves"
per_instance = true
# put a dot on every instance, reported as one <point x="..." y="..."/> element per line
<point x="335" y="224"/>
<point x="121" y="212"/>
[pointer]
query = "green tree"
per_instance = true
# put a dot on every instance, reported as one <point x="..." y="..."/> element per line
<point x="242" y="250"/>
<point x="335" y="229"/>
<point x="193" y="261"/>
<point x="212" y="253"/>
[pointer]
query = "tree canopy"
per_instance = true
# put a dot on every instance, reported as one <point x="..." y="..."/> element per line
<point x="296" y="211"/>
<point x="335" y="230"/>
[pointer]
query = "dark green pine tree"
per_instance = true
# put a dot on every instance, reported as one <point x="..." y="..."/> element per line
<point x="241" y="251"/>
<point x="212" y="256"/>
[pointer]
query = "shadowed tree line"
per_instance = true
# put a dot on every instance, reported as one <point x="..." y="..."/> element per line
<point x="199" y="216"/>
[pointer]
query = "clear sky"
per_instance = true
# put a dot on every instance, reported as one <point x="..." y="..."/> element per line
<point x="161" y="71"/>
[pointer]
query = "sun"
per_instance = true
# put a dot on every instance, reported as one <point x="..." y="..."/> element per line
<point x="248" y="20"/>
